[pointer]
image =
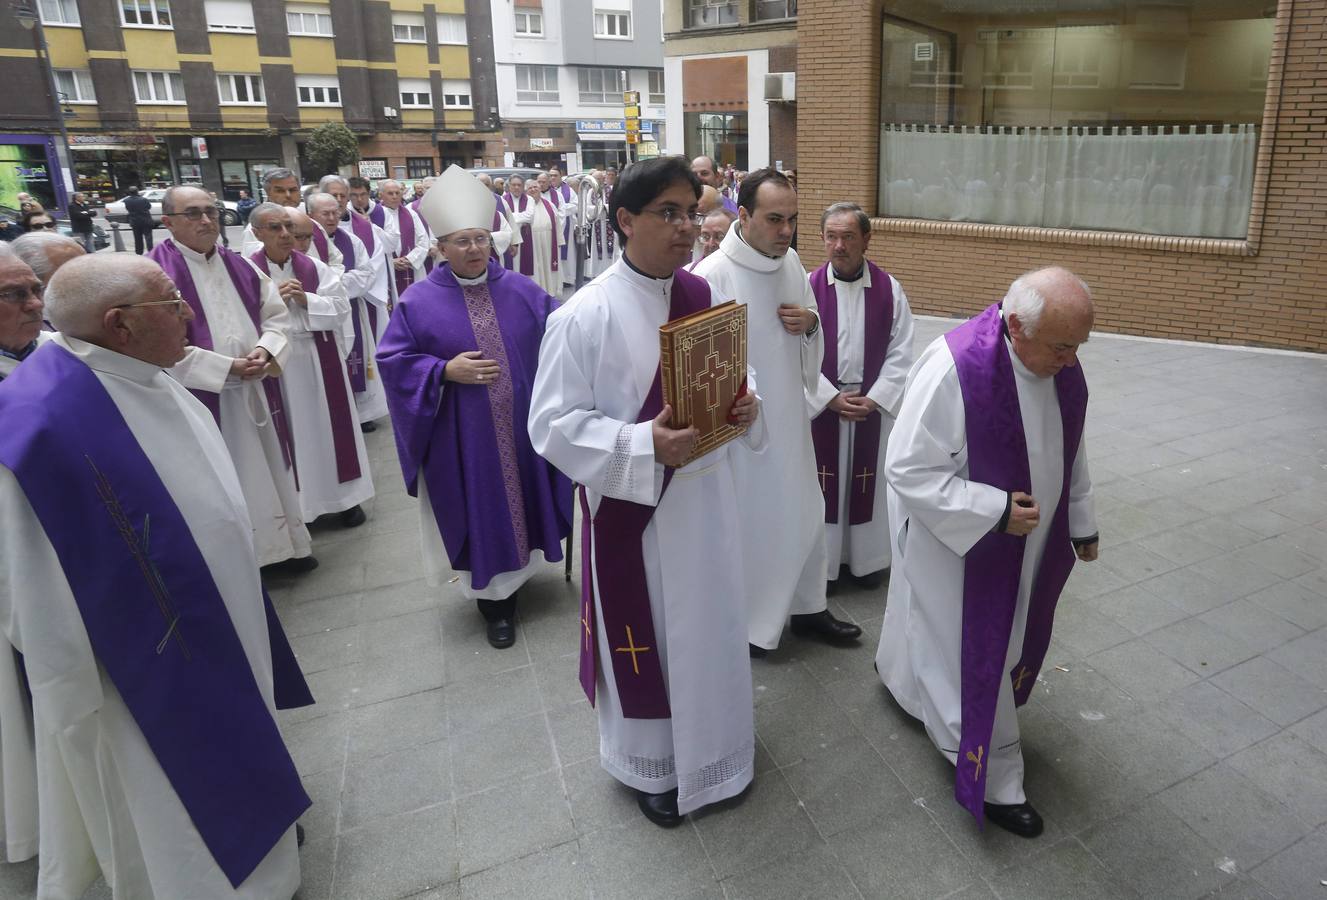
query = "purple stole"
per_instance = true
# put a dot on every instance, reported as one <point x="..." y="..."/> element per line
<point x="404" y="277"/>
<point x="153" y="614"/>
<point x="729" y="204"/>
<point x="250" y="288"/>
<point x="563" y="193"/>
<point x="329" y="360"/>
<point x="865" y="451"/>
<point x="616" y="531"/>
<point x="997" y="455"/>
<point x="527" y="238"/>
<point x="320" y="242"/>
<point x="355" y="359"/>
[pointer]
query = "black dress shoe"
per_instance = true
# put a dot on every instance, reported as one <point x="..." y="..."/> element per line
<point x="872" y="581"/>
<point x="501" y="633"/>
<point x="757" y="652"/>
<point x="661" y="809"/>
<point x="824" y="626"/>
<point x="1019" y="818"/>
<point x="368" y="427"/>
<point x="353" y="517"/>
<point x="297" y="566"/>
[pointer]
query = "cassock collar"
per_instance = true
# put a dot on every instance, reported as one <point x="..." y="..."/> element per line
<point x="202" y="259"/>
<point x="747" y="256"/>
<point x="647" y="283"/>
<point x="20" y="355"/>
<point x="281" y="267"/>
<point x="481" y="278"/>
<point x="99" y="359"/>
<point x="863" y="278"/>
<point x="1019" y="369"/>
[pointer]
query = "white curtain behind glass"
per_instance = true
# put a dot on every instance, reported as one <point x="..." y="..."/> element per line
<point x="1194" y="181"/>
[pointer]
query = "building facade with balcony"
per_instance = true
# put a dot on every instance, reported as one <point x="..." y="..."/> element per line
<point x="562" y="67"/>
<point x="139" y="82"/>
<point x="731" y="66"/>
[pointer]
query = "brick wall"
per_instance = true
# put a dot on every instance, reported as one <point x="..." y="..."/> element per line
<point x="783" y="116"/>
<point x="1275" y="297"/>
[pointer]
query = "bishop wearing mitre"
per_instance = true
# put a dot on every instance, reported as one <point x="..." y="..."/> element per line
<point x="458" y="360"/>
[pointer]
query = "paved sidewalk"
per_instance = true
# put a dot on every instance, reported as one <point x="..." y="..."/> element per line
<point x="1177" y="742"/>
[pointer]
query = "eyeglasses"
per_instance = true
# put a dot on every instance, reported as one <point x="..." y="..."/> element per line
<point x="482" y="242"/>
<point x="175" y="300"/>
<point x="194" y="214"/>
<point x="40" y="226"/>
<point x="671" y="215"/>
<point x="20" y="296"/>
<point x="277" y="226"/>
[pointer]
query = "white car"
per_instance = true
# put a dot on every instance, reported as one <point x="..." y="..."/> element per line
<point x="115" y="212"/>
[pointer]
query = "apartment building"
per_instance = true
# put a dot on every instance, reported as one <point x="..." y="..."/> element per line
<point x="216" y="91"/>
<point x="735" y="62"/>
<point x="562" y="67"/>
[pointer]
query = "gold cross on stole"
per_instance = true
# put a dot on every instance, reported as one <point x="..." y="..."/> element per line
<point x="976" y="758"/>
<point x="1018" y="680"/>
<point x="633" y="650"/>
<point x="866" y="477"/>
<point x="824" y="473"/>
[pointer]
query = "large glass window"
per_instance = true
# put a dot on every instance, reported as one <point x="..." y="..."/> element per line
<point x="711" y="13"/>
<point x="529" y="24"/>
<point x="602" y="85"/>
<point x="59" y="12"/>
<point x="158" y="87"/>
<point x="146" y="13"/>
<point x="456" y="93"/>
<point x="416" y="93"/>
<point x="318" y="90"/>
<point x="451" y="29"/>
<point x="419" y="167"/>
<point x="75" y="86"/>
<point x="408" y="28"/>
<point x="536" y="84"/>
<point x="776" y="9"/>
<point x="240" y="90"/>
<point x="656" y="95"/>
<point x="720" y="136"/>
<point x="612" y="24"/>
<point x="313" y="21"/>
<point x="229" y="15"/>
<point x="1118" y="116"/>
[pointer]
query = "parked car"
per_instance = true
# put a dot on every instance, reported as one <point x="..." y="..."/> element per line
<point x="115" y="212"/>
<point x="99" y="239"/>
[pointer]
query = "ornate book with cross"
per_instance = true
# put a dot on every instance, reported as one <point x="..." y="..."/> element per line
<point x="702" y="358"/>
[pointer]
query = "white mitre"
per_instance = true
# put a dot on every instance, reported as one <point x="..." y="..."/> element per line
<point x="457" y="201"/>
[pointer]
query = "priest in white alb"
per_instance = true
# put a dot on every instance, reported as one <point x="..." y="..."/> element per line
<point x="281" y="186"/>
<point x="566" y="202"/>
<point x="238" y="345"/>
<point x="662" y="628"/>
<point x="783" y="512"/>
<point x="329" y="447"/>
<point x="537" y="256"/>
<point x="989" y="502"/>
<point x="129" y="583"/>
<point x="406" y="230"/>
<point x="868" y="350"/>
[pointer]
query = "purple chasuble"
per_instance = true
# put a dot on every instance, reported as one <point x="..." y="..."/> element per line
<point x="406" y="225"/>
<point x="493" y="498"/>
<point x="616" y="531"/>
<point x="329" y="362"/>
<point x="997" y="455"/>
<point x="527" y="238"/>
<point x="355" y="358"/>
<point x="154" y="617"/>
<point x="250" y="290"/>
<point x="879" y="322"/>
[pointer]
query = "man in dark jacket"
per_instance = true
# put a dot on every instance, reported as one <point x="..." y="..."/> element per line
<point x="80" y="221"/>
<point x="140" y="220"/>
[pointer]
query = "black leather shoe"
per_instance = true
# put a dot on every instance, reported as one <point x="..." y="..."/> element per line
<point x="501" y="633"/>
<point x="757" y="652"/>
<point x="368" y="427"/>
<point x="297" y="566"/>
<point x="831" y="588"/>
<point x="661" y="809"/>
<point x="299" y="835"/>
<point x="824" y="626"/>
<point x="872" y="581"/>
<point x="1020" y="818"/>
<point x="353" y="517"/>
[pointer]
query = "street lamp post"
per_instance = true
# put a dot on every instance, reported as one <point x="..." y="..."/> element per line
<point x="31" y="21"/>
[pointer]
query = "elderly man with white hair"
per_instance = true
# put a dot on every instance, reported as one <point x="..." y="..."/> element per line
<point x="281" y="186"/>
<point x="238" y="344"/>
<point x="46" y="251"/>
<point x="406" y="229"/>
<point x="989" y="503"/>
<point x="129" y="583"/>
<point x="329" y="447"/>
<point x="20" y="310"/>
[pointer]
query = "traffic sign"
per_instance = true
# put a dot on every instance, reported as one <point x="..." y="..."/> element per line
<point x="631" y="98"/>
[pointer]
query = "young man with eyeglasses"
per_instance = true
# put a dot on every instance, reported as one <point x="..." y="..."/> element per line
<point x="238" y="345"/>
<point x="128" y="582"/>
<point x="662" y="630"/>
<point x="783" y="511"/>
<point x="458" y="359"/>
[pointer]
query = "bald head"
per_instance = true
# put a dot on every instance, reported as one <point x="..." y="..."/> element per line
<point x="706" y="171"/>
<point x="301" y="229"/>
<point x="1050" y="314"/>
<point x="709" y="200"/>
<point x="46" y="251"/>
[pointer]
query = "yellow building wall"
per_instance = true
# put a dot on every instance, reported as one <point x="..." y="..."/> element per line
<point x="417" y="118"/>
<point x="244" y="118"/>
<point x="455" y="61"/>
<point x="234" y="52"/>
<point x="313" y="56"/>
<point x="148" y="48"/>
<point x="450" y="7"/>
<point x="461" y="119"/>
<point x="313" y="116"/>
<point x="412" y="60"/>
<point x="67" y="48"/>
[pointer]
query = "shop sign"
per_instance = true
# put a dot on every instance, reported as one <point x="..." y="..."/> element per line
<point x="200" y="147"/>
<point x="541" y="144"/>
<point x="110" y="141"/>
<point x="373" y="168"/>
<point x="590" y="127"/>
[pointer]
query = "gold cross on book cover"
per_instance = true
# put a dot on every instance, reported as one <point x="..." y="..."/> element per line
<point x="703" y="360"/>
